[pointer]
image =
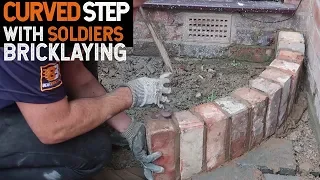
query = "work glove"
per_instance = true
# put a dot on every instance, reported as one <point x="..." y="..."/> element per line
<point x="136" y="137"/>
<point x="146" y="91"/>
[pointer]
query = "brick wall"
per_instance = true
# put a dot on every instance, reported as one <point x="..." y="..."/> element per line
<point x="208" y="135"/>
<point x="171" y="25"/>
<point x="313" y="65"/>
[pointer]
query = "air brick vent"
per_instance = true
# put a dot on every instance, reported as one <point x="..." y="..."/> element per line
<point x="207" y="28"/>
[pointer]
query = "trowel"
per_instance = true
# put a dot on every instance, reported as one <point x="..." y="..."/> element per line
<point x="156" y="39"/>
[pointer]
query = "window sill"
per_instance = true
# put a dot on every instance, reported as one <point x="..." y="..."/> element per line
<point x="223" y="6"/>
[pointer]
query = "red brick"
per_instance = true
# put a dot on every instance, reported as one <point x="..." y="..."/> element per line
<point x="316" y="42"/>
<point x="249" y="53"/>
<point x="310" y="26"/>
<point x="292" y="68"/>
<point x="316" y="13"/>
<point x="164" y="17"/>
<point x="317" y="105"/>
<point x="273" y="91"/>
<point x="191" y="143"/>
<point x="258" y="108"/>
<point x="216" y="134"/>
<point x="316" y="73"/>
<point x="295" y="2"/>
<point x="163" y="136"/>
<point x="141" y="31"/>
<point x="311" y="80"/>
<point x="289" y="67"/>
<point x="239" y="127"/>
<point x="291" y="37"/>
<point x="283" y="79"/>
<point x="172" y="33"/>
<point x="293" y="41"/>
<point x="305" y="6"/>
<point x="290" y="56"/>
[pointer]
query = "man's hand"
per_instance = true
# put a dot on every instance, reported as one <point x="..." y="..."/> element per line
<point x="149" y="91"/>
<point x="136" y="137"/>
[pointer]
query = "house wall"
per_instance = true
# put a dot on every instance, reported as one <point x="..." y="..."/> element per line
<point x="171" y="26"/>
<point x="313" y="64"/>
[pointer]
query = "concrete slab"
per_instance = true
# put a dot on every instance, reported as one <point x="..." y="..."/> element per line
<point x="280" y="177"/>
<point x="231" y="172"/>
<point x="276" y="156"/>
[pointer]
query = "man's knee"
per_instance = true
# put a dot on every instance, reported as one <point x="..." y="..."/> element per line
<point x="104" y="151"/>
<point x="85" y="154"/>
<point x="94" y="152"/>
<point x="97" y="148"/>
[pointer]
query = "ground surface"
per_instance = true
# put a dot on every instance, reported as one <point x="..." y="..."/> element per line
<point x="196" y="82"/>
<point x="193" y="82"/>
<point x="305" y="145"/>
<point x="292" y="155"/>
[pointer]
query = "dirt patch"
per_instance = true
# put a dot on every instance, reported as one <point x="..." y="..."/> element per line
<point x="193" y="82"/>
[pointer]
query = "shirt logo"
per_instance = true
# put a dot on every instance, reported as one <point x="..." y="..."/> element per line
<point x="50" y="77"/>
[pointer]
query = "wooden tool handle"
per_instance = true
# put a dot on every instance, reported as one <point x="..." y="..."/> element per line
<point x="161" y="48"/>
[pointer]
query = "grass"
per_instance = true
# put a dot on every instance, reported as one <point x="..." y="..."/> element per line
<point x="212" y="97"/>
<point x="235" y="63"/>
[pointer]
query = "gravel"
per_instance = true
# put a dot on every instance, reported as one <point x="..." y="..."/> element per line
<point x="305" y="145"/>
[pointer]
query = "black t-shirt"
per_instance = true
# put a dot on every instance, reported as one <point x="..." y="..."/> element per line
<point x="37" y="82"/>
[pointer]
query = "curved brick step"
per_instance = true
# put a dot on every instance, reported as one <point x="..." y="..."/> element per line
<point x="211" y="134"/>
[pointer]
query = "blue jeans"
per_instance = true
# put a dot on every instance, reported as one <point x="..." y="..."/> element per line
<point x="24" y="157"/>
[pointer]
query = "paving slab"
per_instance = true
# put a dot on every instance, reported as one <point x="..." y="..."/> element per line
<point x="231" y="172"/>
<point x="280" y="177"/>
<point x="275" y="156"/>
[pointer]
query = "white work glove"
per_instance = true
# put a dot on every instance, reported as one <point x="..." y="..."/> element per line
<point x="146" y="91"/>
<point x="136" y="137"/>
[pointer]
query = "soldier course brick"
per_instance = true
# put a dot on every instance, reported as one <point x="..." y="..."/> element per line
<point x="258" y="108"/>
<point x="292" y="68"/>
<point x="239" y="116"/>
<point x="216" y="136"/>
<point x="284" y="80"/>
<point x="163" y="136"/>
<point x="191" y="143"/>
<point x="290" y="56"/>
<point x="293" y="41"/>
<point x="273" y="91"/>
<point x="209" y="134"/>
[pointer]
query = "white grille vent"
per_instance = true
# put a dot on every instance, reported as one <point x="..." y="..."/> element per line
<point x="208" y="28"/>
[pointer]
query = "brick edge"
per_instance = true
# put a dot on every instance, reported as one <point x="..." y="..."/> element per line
<point x="291" y="59"/>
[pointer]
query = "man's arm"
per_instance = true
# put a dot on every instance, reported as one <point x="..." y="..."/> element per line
<point x="63" y="120"/>
<point x="80" y="83"/>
